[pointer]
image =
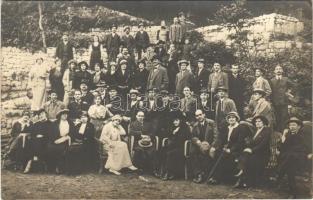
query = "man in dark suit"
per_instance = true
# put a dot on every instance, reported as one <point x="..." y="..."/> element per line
<point x="206" y="105"/>
<point x="223" y="106"/>
<point x="142" y="40"/>
<point x="184" y="78"/>
<point x="188" y="105"/>
<point x="128" y="41"/>
<point x="204" y="136"/>
<point x="201" y="76"/>
<point x="236" y="88"/>
<point x="217" y="78"/>
<point x="157" y="77"/>
<point x="133" y="104"/>
<point x="140" y="78"/>
<point x="280" y="86"/>
<point x="86" y="97"/>
<point x="112" y="43"/>
<point x="77" y="106"/>
<point x="65" y="52"/>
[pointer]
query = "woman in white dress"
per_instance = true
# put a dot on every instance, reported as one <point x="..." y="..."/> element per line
<point x="38" y="76"/>
<point x="98" y="115"/>
<point x="118" y="154"/>
<point x="68" y="79"/>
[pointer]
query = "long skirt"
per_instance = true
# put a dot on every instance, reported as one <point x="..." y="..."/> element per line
<point x="98" y="124"/>
<point x="118" y="156"/>
<point x="39" y="92"/>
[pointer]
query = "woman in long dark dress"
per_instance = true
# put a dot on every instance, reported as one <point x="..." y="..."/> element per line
<point x="60" y="139"/>
<point x="95" y="50"/>
<point x="55" y="78"/>
<point x="172" y="155"/>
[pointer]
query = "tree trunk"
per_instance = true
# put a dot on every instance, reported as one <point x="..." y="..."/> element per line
<point x="41" y="27"/>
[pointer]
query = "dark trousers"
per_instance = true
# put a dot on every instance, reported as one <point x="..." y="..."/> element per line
<point x="226" y="168"/>
<point x="281" y="115"/>
<point x="145" y="159"/>
<point x="201" y="163"/>
<point x="172" y="160"/>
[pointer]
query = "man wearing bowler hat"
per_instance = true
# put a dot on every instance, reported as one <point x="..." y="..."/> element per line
<point x="184" y="78"/>
<point x="158" y="77"/>
<point x="201" y="76"/>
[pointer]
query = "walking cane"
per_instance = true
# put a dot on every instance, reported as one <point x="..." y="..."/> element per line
<point x="211" y="102"/>
<point x="215" y="165"/>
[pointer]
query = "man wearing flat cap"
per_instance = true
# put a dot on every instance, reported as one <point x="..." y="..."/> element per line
<point x="142" y="40"/>
<point x="65" y="51"/>
<point x="294" y="154"/>
<point x="201" y="76"/>
<point x="112" y="43"/>
<point x="158" y="77"/>
<point x="184" y="78"/>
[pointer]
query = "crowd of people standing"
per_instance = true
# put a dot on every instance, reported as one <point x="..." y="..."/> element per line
<point x="149" y="96"/>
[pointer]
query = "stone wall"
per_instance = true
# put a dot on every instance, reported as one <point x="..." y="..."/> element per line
<point x="263" y="27"/>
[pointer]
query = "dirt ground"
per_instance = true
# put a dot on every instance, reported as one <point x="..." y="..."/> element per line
<point x="16" y="185"/>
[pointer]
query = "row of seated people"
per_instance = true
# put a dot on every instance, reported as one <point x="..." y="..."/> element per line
<point x="239" y="153"/>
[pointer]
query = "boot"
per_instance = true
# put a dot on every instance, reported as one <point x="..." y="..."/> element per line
<point x="28" y="167"/>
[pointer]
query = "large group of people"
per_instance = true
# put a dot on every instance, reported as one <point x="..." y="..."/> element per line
<point x="143" y="104"/>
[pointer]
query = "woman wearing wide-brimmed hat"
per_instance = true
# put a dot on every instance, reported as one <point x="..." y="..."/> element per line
<point x="59" y="140"/>
<point x="118" y="154"/>
<point x="172" y="155"/>
<point x="255" y="155"/>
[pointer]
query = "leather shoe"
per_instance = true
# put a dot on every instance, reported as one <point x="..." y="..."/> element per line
<point x="212" y="181"/>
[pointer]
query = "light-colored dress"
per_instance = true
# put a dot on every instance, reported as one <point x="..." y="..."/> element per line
<point x="98" y="114"/>
<point x="68" y="86"/>
<point x="38" y="76"/>
<point x="118" y="155"/>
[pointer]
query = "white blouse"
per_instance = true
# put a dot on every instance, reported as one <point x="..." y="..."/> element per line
<point x="64" y="128"/>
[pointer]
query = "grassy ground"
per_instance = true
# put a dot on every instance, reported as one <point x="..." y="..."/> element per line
<point x="16" y="185"/>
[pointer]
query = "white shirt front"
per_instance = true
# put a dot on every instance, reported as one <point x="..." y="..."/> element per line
<point x="64" y="128"/>
<point x="82" y="128"/>
<point x="230" y="130"/>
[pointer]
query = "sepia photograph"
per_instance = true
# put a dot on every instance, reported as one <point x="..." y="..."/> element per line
<point x="156" y="99"/>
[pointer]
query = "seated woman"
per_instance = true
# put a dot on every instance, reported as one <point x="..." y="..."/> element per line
<point x="172" y="155"/>
<point x="20" y="133"/>
<point x="84" y="137"/>
<point x="118" y="154"/>
<point x="98" y="115"/>
<point x="255" y="155"/>
<point x="59" y="140"/>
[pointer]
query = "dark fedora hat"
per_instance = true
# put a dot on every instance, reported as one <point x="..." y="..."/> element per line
<point x="296" y="120"/>
<point x="262" y="118"/>
<point x="259" y="68"/>
<point x="143" y="61"/>
<point x="164" y="92"/>
<point x="222" y="88"/>
<point x="204" y="90"/>
<point x="177" y="115"/>
<point x="72" y="61"/>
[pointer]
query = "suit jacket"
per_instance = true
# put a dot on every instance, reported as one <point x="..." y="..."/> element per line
<point x="131" y="111"/>
<point x="112" y="43"/>
<point x="184" y="80"/>
<point x="158" y="79"/>
<point x="218" y="80"/>
<point x="75" y="109"/>
<point x="279" y="90"/>
<point x="176" y="33"/>
<point x="88" y="98"/>
<point x="202" y="79"/>
<point x="206" y="109"/>
<point x="123" y="81"/>
<point x="64" y="52"/>
<point x="262" y="83"/>
<point x="97" y="78"/>
<point x="83" y="76"/>
<point x="140" y="79"/>
<point x="137" y="129"/>
<point x="88" y="134"/>
<point x="142" y="40"/>
<point x="210" y="132"/>
<point x="220" y="114"/>
<point x="188" y="107"/>
<point x="17" y="129"/>
<point x="236" y="89"/>
<point x="128" y="42"/>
